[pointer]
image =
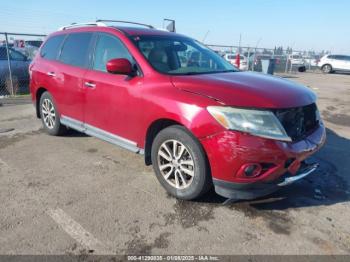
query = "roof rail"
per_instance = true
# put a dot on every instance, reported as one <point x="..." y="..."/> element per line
<point x="97" y="23"/>
<point x="124" y="22"/>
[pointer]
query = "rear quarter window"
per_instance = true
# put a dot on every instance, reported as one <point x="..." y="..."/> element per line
<point x="51" y="47"/>
<point x="75" y="49"/>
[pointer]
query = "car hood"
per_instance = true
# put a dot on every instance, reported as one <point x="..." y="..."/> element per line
<point x="247" y="89"/>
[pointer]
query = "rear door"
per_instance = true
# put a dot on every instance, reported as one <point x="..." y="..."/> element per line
<point x="45" y="67"/>
<point x="74" y="59"/>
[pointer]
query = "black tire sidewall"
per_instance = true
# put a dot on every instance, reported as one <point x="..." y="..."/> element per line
<point x="56" y="130"/>
<point x="201" y="181"/>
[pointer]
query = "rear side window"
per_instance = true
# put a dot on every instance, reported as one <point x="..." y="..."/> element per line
<point x="75" y="49"/>
<point x="51" y="47"/>
<point x="338" y="57"/>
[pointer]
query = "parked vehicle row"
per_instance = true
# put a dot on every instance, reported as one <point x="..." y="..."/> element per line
<point x="198" y="120"/>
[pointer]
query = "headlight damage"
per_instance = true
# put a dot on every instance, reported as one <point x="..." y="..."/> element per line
<point x="283" y="124"/>
<point x="261" y="123"/>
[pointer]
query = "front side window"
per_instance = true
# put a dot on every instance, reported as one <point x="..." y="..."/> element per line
<point x="109" y="47"/>
<point x="51" y="47"/>
<point x="75" y="49"/>
<point x="180" y="56"/>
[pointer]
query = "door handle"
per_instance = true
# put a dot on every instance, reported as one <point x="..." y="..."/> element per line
<point x="90" y="85"/>
<point x="52" y="74"/>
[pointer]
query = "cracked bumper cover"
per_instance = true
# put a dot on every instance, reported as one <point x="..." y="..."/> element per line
<point x="229" y="150"/>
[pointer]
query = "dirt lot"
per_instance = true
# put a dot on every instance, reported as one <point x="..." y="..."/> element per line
<point x="76" y="194"/>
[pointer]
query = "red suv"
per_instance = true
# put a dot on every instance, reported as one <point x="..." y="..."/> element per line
<point x="196" y="118"/>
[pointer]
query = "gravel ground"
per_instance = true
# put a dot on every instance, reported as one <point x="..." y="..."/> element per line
<point x="79" y="195"/>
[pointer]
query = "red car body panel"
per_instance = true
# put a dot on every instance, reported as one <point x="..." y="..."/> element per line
<point x="246" y="89"/>
<point x="228" y="151"/>
<point x="128" y="106"/>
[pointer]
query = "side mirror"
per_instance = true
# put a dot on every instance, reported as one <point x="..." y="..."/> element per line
<point x="120" y="66"/>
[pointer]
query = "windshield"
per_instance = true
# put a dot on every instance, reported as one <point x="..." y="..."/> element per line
<point x="180" y="56"/>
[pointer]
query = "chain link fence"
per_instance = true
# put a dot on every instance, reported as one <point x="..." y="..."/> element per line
<point x="16" y="52"/>
<point x="286" y="61"/>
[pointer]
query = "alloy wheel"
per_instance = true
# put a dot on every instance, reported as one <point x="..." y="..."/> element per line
<point x="48" y="113"/>
<point x="176" y="164"/>
<point x="327" y="68"/>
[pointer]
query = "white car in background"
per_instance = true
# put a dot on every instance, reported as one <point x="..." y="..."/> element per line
<point x="311" y="60"/>
<point x="243" y="64"/>
<point x="332" y="63"/>
<point x="296" y="60"/>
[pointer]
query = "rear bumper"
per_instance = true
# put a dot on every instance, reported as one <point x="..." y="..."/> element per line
<point x="254" y="190"/>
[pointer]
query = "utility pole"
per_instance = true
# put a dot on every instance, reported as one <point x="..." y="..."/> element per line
<point x="239" y="45"/>
<point x="256" y="46"/>
<point x="9" y="63"/>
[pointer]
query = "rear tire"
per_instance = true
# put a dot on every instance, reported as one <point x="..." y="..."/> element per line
<point x="50" y="116"/>
<point x="327" y="69"/>
<point x="180" y="163"/>
<point x="302" y="69"/>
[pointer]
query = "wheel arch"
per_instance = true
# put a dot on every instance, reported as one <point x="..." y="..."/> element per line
<point x="38" y="95"/>
<point x="152" y="132"/>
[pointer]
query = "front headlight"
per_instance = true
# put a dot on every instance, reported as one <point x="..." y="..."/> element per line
<point x="256" y="122"/>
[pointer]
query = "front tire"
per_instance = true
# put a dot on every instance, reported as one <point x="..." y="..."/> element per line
<point x="50" y="116"/>
<point x="180" y="163"/>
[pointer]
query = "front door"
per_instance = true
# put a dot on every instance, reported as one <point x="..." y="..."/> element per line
<point x="109" y="97"/>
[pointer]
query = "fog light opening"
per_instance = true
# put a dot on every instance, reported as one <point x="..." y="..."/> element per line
<point x="252" y="170"/>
